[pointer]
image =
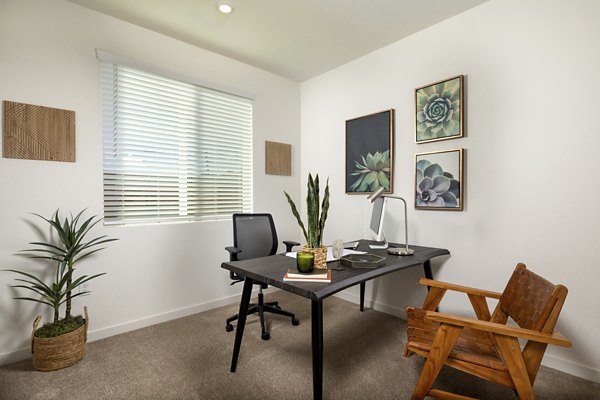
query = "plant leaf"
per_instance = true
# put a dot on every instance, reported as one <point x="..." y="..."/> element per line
<point x="324" y="212"/>
<point x="296" y="214"/>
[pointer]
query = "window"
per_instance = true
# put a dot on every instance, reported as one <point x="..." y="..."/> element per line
<point x="173" y="151"/>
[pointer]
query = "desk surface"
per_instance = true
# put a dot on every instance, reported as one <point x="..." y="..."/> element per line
<point x="270" y="270"/>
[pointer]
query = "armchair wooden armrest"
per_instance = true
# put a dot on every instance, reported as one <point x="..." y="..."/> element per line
<point x="459" y="288"/>
<point x="555" y="338"/>
<point x="477" y="297"/>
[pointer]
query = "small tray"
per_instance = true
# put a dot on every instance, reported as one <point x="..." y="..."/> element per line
<point x="367" y="260"/>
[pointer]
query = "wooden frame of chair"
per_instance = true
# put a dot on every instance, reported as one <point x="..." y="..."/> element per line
<point x="515" y="368"/>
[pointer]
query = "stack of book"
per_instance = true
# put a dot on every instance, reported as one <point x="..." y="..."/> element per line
<point x="318" y="275"/>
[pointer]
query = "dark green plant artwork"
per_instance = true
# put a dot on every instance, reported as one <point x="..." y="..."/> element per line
<point x="369" y="150"/>
<point x="439" y="110"/>
<point x="372" y="172"/>
<point x="438" y="180"/>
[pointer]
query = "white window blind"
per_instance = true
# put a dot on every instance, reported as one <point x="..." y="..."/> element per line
<point x="173" y="151"/>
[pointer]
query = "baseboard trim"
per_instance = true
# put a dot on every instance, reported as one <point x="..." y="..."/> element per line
<point x="558" y="363"/>
<point x="102" y="333"/>
<point x="572" y="368"/>
<point x="97" y="334"/>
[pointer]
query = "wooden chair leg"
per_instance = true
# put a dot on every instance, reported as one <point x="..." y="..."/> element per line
<point x="510" y="350"/>
<point x="440" y="348"/>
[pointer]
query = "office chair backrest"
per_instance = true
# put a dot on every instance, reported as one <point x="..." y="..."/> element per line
<point x="254" y="235"/>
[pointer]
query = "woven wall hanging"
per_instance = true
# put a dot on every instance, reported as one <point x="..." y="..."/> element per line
<point x="38" y="133"/>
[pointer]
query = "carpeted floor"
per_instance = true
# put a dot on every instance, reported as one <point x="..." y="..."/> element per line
<point x="189" y="358"/>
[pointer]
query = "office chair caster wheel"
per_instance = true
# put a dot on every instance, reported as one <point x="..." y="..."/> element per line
<point x="295" y="322"/>
<point x="265" y="336"/>
<point x="228" y="327"/>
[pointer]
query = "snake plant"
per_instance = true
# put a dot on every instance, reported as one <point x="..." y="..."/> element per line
<point x="315" y="222"/>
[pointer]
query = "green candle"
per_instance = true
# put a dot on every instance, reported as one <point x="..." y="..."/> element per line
<point x="305" y="261"/>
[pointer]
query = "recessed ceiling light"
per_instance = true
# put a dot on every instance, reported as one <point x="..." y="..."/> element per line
<point x="225" y="7"/>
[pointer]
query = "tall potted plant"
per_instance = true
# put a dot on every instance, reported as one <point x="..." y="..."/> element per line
<point x="62" y="342"/>
<point x="315" y="220"/>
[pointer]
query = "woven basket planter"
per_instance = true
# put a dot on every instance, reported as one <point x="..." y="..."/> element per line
<point x="50" y="354"/>
<point x="320" y="255"/>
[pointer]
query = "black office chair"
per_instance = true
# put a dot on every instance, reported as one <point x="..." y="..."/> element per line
<point x="254" y="236"/>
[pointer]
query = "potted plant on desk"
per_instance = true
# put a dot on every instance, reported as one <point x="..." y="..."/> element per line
<point x="62" y="342"/>
<point x="315" y="220"/>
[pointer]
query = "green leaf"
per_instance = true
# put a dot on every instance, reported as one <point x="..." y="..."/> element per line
<point x="81" y="280"/>
<point x="438" y="127"/>
<point x="310" y="212"/>
<point x="324" y="212"/>
<point x="36" y="300"/>
<point x="422" y="164"/>
<point x="26" y="274"/>
<point x="449" y="199"/>
<point x="382" y="177"/>
<point x="433" y="170"/>
<point x="46" y="245"/>
<point x="449" y="128"/>
<point x="370" y="178"/>
<point x="453" y="86"/>
<point x="440" y="184"/>
<point x="356" y="184"/>
<point x="296" y="214"/>
<point x="425" y="184"/>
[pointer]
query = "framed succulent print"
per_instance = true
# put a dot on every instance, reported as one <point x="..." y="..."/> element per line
<point x="439" y="180"/>
<point x="439" y="110"/>
<point x="369" y="153"/>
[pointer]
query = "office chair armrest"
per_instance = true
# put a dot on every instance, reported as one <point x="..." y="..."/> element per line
<point x="500" y="329"/>
<point x="458" y="288"/>
<point x="233" y="252"/>
<point x="289" y="244"/>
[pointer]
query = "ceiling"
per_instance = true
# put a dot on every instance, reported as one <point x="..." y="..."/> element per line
<point x="297" y="39"/>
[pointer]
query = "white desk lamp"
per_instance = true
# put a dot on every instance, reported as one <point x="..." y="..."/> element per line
<point x="395" y="250"/>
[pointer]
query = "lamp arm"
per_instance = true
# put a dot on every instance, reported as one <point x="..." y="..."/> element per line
<point x="405" y="217"/>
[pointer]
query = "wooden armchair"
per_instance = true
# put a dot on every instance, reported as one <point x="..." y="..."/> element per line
<point x="486" y="346"/>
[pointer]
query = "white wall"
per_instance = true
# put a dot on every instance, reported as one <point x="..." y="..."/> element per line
<point x="532" y="89"/>
<point x="154" y="272"/>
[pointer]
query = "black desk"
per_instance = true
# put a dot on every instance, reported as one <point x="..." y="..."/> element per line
<point x="270" y="270"/>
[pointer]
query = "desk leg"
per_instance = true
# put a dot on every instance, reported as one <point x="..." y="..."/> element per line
<point x="239" y="331"/>
<point x="317" y="348"/>
<point x="428" y="274"/>
<point x="362" y="296"/>
<point x="427" y="268"/>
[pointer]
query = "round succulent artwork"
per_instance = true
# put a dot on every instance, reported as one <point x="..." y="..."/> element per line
<point x="436" y="188"/>
<point x="438" y="110"/>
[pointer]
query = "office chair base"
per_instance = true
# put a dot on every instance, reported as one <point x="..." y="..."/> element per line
<point x="261" y="308"/>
